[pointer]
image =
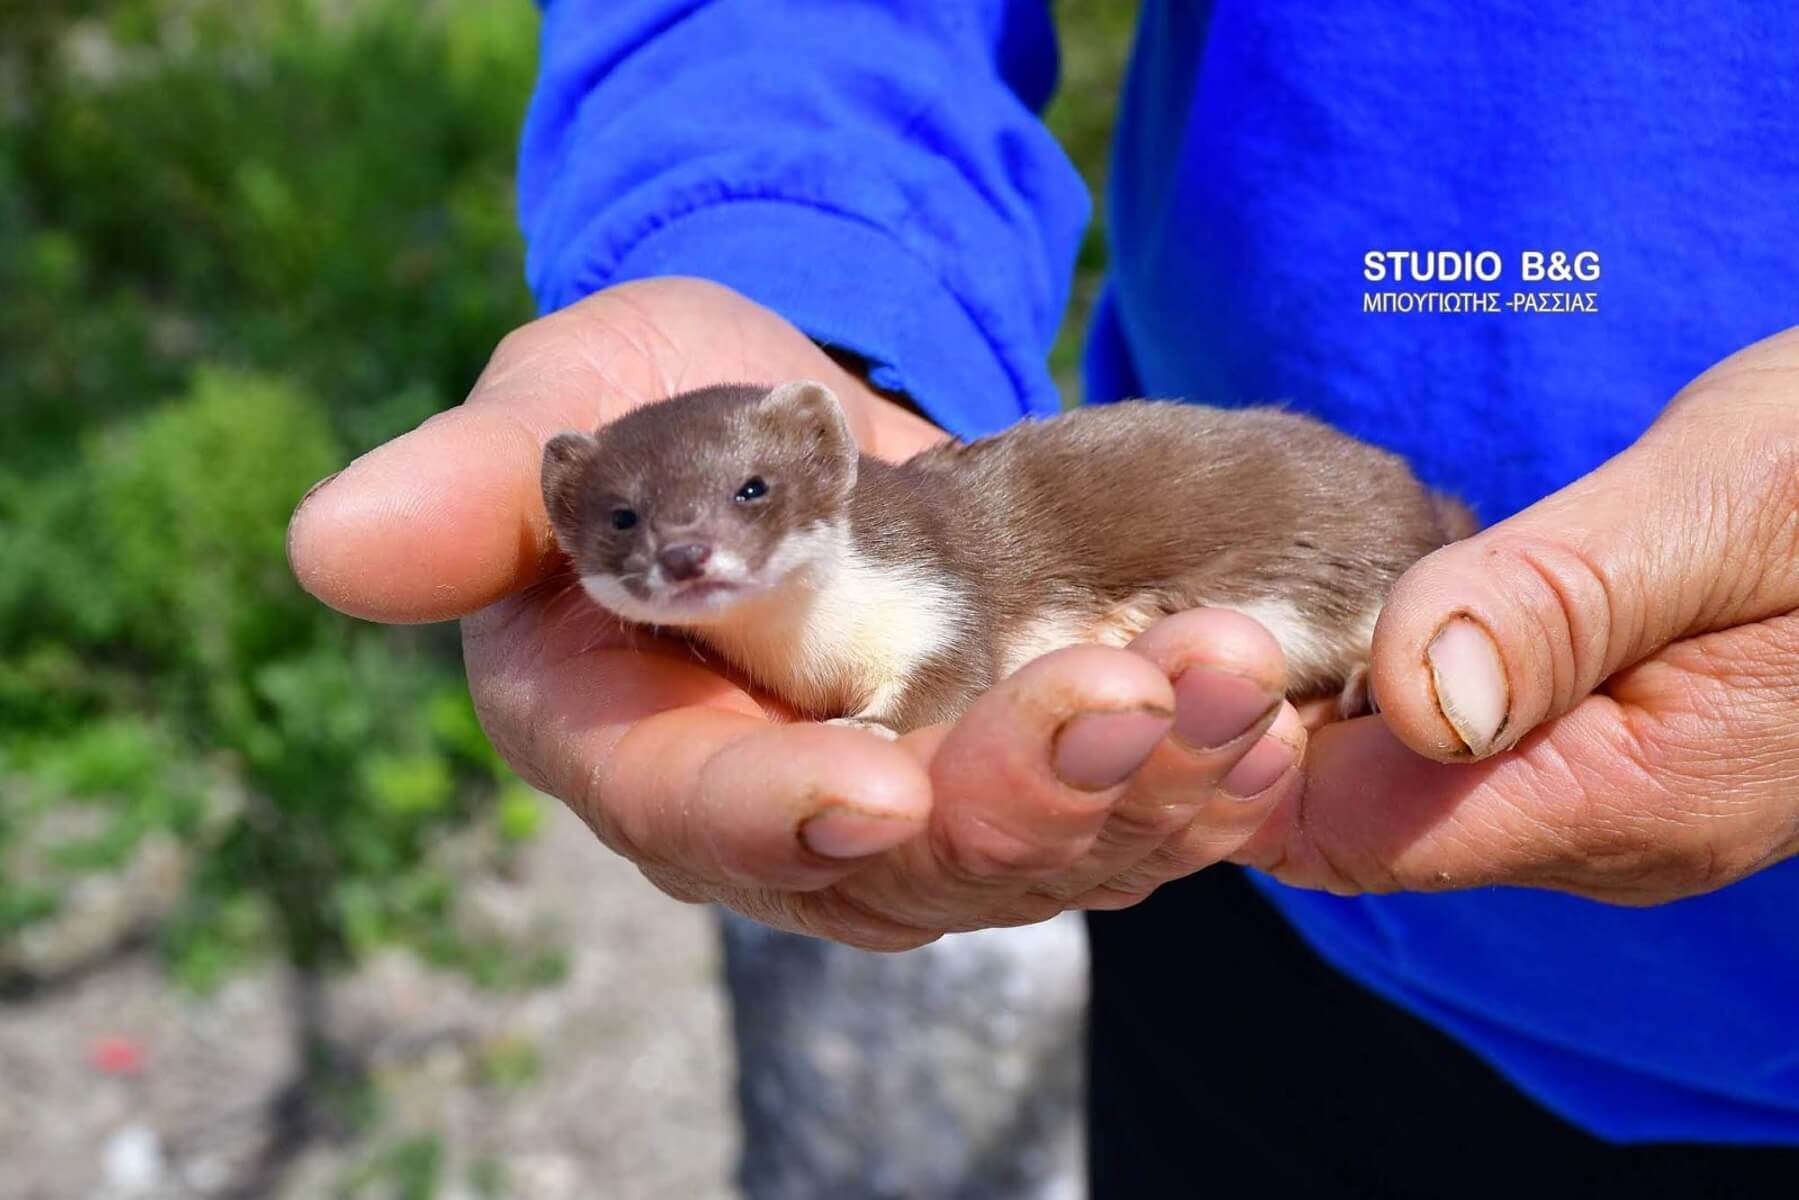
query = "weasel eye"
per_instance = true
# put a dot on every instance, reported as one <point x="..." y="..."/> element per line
<point x="753" y="489"/>
<point x="623" y="518"/>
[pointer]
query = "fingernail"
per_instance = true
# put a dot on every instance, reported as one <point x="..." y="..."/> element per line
<point x="293" y="522"/>
<point x="849" y="833"/>
<point x="1212" y="709"/>
<point x="1260" y="769"/>
<point x="1469" y="677"/>
<point x="1095" y="751"/>
<point x="315" y="489"/>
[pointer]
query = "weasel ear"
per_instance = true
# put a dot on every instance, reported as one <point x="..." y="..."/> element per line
<point x="811" y="412"/>
<point x="563" y="459"/>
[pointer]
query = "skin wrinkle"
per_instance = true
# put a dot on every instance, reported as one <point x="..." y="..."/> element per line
<point x="1106" y="898"/>
<point x="1645" y="842"/>
<point x="1169" y="860"/>
<point x="1530" y="846"/>
<point x="1159" y="866"/>
<point x="653" y="330"/>
<point x="1001" y="854"/>
<point x="1591" y="767"/>
<point x="905" y="891"/>
<point x="1778" y="517"/>
<point x="1216" y="828"/>
<point x="1130" y="823"/>
<point x="837" y="898"/>
<point x="1564" y="579"/>
<point x="1731" y="589"/>
<point x="1562" y="664"/>
<point x="524" y="364"/>
<point x="675" y="885"/>
<point x="1338" y="878"/>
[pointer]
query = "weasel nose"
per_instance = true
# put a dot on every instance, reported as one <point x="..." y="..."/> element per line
<point x="684" y="562"/>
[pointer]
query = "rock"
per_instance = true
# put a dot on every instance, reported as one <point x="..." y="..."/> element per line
<point x="132" y="1160"/>
<point x="949" y="1071"/>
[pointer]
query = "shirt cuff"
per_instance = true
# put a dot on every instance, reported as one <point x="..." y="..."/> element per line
<point x="847" y="284"/>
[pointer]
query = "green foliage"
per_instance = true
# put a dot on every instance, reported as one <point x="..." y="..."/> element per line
<point x="238" y="245"/>
<point x="407" y="1169"/>
<point x="487" y="1178"/>
<point x="1095" y="38"/>
<point x="508" y="1063"/>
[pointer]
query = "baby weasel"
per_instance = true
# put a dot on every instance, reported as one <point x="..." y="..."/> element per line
<point x="892" y="596"/>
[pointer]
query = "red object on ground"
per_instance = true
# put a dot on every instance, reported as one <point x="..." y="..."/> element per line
<point x="116" y="1055"/>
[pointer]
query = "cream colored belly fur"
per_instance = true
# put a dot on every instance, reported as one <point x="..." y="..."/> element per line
<point x="1317" y="661"/>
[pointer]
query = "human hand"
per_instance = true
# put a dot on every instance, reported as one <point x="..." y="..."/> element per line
<point x="1061" y="787"/>
<point x="1622" y="659"/>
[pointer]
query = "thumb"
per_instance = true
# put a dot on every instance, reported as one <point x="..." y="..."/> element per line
<point x="1692" y="529"/>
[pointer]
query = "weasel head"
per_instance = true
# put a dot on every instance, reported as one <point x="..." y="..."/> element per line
<point x="680" y="512"/>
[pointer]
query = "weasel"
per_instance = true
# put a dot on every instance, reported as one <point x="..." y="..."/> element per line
<point x="891" y="596"/>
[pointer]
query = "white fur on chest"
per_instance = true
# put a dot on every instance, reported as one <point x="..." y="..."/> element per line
<point x="848" y="633"/>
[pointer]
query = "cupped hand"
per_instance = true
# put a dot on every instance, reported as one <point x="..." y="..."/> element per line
<point x="1604" y="689"/>
<point x="1084" y="780"/>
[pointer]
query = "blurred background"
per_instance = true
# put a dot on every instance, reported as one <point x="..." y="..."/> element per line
<point x="274" y="921"/>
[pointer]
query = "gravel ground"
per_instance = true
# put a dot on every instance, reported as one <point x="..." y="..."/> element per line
<point x="614" y="1082"/>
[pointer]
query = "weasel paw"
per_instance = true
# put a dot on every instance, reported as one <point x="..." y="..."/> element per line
<point x="1357" y="697"/>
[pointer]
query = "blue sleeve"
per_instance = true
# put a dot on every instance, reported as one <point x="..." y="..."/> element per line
<point x="873" y="170"/>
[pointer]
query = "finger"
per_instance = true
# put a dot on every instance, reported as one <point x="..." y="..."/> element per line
<point x="676" y="769"/>
<point x="1268" y="776"/>
<point x="1630" y="802"/>
<point x="1227" y="675"/>
<point x="1688" y="531"/>
<point x="1022" y="785"/>
<point x="445" y="520"/>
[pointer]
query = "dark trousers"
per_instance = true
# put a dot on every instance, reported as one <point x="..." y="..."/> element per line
<point x="1226" y="1059"/>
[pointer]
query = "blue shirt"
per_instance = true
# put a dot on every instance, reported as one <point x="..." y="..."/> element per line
<point x="876" y="172"/>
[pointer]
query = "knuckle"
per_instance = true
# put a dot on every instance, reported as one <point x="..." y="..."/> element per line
<point x="1146" y="822"/>
<point x="980" y="852"/>
<point x="1577" y="605"/>
<point x="1112" y="897"/>
<point x="837" y="916"/>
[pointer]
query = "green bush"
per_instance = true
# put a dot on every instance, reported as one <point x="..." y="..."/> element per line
<point x="238" y="245"/>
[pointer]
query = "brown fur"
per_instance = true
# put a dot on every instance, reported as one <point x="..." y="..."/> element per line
<point x="676" y="465"/>
<point x="1155" y="507"/>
